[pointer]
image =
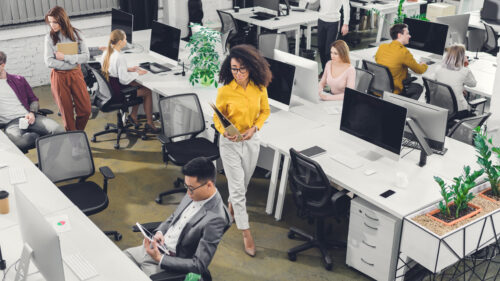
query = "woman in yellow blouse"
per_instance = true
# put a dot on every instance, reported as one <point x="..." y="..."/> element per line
<point x="243" y="100"/>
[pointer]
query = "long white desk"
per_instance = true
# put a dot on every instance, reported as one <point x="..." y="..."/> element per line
<point x="476" y="22"/>
<point x="84" y="237"/>
<point x="483" y="68"/>
<point x="291" y="22"/>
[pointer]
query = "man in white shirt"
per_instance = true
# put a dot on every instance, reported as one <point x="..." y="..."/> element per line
<point x="192" y="233"/>
<point x="17" y="101"/>
<point x="328" y="25"/>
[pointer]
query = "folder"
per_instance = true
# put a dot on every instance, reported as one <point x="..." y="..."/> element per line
<point x="70" y="48"/>
<point x="228" y="126"/>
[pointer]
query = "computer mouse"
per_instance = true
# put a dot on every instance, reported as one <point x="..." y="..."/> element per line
<point x="276" y="18"/>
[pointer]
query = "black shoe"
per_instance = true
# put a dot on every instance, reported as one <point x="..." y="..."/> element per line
<point x="149" y="129"/>
<point x="133" y="122"/>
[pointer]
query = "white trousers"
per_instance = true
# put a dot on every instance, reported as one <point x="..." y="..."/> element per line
<point x="239" y="160"/>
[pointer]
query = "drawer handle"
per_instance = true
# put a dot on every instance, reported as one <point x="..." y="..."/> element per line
<point x="375" y="219"/>
<point x="370" y="264"/>
<point x="371" y="246"/>
<point x="374" y="228"/>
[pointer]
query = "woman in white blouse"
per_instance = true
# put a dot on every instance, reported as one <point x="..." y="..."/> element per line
<point x="115" y="70"/>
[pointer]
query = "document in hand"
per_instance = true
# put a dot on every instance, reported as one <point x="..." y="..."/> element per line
<point x="228" y="126"/>
<point x="70" y="48"/>
<point x="150" y="236"/>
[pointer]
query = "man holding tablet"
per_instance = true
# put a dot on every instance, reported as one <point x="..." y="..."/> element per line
<point x="192" y="233"/>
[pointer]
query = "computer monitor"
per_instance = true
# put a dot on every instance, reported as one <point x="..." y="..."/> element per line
<point x="306" y="72"/>
<point x="165" y="40"/>
<point x="41" y="237"/>
<point x="124" y="21"/>
<point x="273" y="5"/>
<point x="279" y="91"/>
<point x="457" y="28"/>
<point x="427" y="36"/>
<point x="431" y="119"/>
<point x="376" y="121"/>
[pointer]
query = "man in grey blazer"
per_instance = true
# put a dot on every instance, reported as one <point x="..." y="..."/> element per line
<point x="192" y="233"/>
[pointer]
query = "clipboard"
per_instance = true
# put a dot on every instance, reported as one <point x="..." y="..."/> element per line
<point x="228" y="126"/>
<point x="70" y="48"/>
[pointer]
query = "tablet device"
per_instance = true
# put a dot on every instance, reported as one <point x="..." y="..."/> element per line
<point x="313" y="151"/>
<point x="150" y="237"/>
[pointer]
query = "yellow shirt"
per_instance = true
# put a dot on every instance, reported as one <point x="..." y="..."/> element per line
<point x="244" y="108"/>
<point x="398" y="59"/>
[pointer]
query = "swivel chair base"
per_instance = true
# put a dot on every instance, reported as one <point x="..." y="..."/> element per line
<point x="119" y="129"/>
<point x="116" y="235"/>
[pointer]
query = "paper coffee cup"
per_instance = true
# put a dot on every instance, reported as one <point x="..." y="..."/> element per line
<point x="23" y="123"/>
<point x="4" y="202"/>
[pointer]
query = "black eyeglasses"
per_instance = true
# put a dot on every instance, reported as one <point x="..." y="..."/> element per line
<point x="192" y="189"/>
<point x="242" y="70"/>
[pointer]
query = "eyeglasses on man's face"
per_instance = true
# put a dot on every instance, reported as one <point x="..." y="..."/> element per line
<point x="192" y="189"/>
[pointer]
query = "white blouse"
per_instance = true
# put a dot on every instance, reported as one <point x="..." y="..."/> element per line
<point x="118" y="68"/>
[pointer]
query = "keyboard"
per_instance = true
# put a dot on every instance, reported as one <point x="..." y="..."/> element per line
<point x="16" y="175"/>
<point x="80" y="266"/>
<point x="262" y="16"/>
<point x="349" y="160"/>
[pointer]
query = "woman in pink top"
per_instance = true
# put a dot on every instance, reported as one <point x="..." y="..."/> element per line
<point x="338" y="73"/>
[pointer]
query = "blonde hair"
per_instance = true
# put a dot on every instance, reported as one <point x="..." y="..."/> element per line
<point x="455" y="57"/>
<point x="342" y="49"/>
<point x="116" y="36"/>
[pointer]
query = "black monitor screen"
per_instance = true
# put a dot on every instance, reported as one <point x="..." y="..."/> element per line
<point x="124" y="21"/>
<point x="427" y="36"/>
<point x="165" y="40"/>
<point x="269" y="4"/>
<point x="374" y="120"/>
<point x="280" y="88"/>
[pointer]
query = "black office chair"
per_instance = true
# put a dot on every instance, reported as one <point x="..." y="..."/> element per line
<point x="364" y="79"/>
<point x="105" y="104"/>
<point x="315" y="199"/>
<point x="224" y="37"/>
<point x="182" y="117"/>
<point x="382" y="78"/>
<point x="490" y="44"/>
<point x="442" y="95"/>
<point x="43" y="112"/>
<point x="239" y="35"/>
<point x="463" y="130"/>
<point x="67" y="156"/>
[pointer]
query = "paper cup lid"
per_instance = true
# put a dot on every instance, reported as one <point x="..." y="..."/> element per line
<point x="3" y="194"/>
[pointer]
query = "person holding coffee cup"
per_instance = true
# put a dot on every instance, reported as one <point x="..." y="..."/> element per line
<point x="18" y="107"/>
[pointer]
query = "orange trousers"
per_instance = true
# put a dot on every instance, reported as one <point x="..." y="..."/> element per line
<point x="68" y="88"/>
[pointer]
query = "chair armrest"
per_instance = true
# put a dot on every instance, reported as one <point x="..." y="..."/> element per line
<point x="150" y="226"/>
<point x="341" y="202"/>
<point x="45" y="111"/>
<point x="476" y="102"/>
<point x="409" y="80"/>
<point x="106" y="172"/>
<point x="163" y="139"/>
<point x="129" y="92"/>
<point x="216" y="135"/>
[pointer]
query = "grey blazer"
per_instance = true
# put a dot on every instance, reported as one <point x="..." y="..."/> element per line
<point x="199" y="238"/>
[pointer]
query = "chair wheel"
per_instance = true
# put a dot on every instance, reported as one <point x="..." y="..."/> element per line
<point x="158" y="200"/>
<point x="291" y="234"/>
<point x="118" y="237"/>
<point x="177" y="184"/>
<point x="94" y="139"/>
<point x="117" y="146"/>
<point x="144" y="137"/>
<point x="106" y="127"/>
<point x="292" y="257"/>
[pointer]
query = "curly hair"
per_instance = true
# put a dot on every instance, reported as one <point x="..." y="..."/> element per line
<point x="256" y="64"/>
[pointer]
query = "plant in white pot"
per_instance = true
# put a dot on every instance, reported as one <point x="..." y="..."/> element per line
<point x="204" y="59"/>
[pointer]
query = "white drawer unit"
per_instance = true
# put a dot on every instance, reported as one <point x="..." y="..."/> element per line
<point x="373" y="240"/>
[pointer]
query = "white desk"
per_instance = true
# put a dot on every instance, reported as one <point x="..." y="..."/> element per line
<point x="291" y="22"/>
<point x="476" y="22"/>
<point x="483" y="68"/>
<point x="84" y="237"/>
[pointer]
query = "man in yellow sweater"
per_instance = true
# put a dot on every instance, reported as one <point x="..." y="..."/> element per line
<point x="398" y="59"/>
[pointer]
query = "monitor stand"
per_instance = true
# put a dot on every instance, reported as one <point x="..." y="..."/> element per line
<point x="24" y="263"/>
<point x="370" y="155"/>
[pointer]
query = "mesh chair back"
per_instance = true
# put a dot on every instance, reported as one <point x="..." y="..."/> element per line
<point x="440" y="94"/>
<point x="491" y="42"/>
<point x="181" y="115"/>
<point x="65" y="156"/>
<point x="224" y="40"/>
<point x="310" y="187"/>
<point x="228" y="22"/>
<point x="313" y="6"/>
<point x="382" y="77"/>
<point x="364" y="80"/>
<point x="464" y="130"/>
<point x="269" y="42"/>
<point x="103" y="92"/>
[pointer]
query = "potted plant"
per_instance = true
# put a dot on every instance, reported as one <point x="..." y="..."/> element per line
<point x="203" y="56"/>
<point x="483" y="146"/>
<point x="400" y="16"/>
<point x="450" y="213"/>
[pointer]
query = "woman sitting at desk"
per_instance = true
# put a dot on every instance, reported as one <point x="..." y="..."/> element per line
<point x="339" y="73"/>
<point x="453" y="71"/>
<point x="115" y="70"/>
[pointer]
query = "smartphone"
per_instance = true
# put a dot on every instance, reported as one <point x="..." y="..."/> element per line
<point x="387" y="193"/>
<point x="150" y="237"/>
<point x="313" y="151"/>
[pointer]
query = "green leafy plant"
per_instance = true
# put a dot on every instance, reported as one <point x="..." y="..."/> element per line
<point x="484" y="148"/>
<point x="203" y="56"/>
<point x="459" y="191"/>
<point x="447" y="196"/>
<point x="400" y="16"/>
